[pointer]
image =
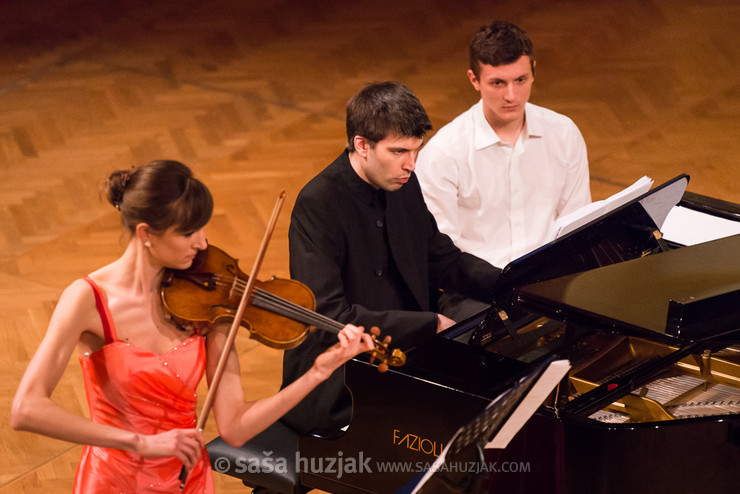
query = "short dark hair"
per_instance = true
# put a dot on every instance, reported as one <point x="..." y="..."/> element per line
<point x="162" y="194"/>
<point x="499" y="43"/>
<point x="381" y="109"/>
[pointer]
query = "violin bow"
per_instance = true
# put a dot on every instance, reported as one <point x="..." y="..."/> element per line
<point x="208" y="403"/>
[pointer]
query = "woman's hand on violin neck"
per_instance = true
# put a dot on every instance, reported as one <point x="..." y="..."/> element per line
<point x="353" y="340"/>
<point x="184" y="444"/>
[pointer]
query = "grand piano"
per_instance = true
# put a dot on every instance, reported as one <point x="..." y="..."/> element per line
<point x="651" y="403"/>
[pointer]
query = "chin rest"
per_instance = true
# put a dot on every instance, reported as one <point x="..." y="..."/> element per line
<point x="267" y="462"/>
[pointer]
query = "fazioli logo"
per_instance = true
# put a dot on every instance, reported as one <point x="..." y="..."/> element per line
<point x="417" y="443"/>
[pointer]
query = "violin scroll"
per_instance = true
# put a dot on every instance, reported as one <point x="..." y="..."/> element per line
<point x="383" y="353"/>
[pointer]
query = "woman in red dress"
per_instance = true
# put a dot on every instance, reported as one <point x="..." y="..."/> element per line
<point x="140" y="370"/>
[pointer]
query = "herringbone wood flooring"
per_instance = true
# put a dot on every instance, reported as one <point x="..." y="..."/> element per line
<point x="251" y="95"/>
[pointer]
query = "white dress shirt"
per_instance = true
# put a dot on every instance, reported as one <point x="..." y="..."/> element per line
<point x="499" y="201"/>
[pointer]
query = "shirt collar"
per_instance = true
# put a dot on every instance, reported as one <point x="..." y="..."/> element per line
<point x="534" y="127"/>
<point x="363" y="191"/>
<point x="484" y="135"/>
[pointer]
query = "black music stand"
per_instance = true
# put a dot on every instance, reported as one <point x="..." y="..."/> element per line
<point x="494" y="427"/>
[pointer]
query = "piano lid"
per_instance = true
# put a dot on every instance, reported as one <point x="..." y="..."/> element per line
<point x="685" y="294"/>
<point x="624" y="233"/>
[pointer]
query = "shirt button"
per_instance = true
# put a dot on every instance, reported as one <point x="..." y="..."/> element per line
<point x="378" y="272"/>
<point x="379" y="223"/>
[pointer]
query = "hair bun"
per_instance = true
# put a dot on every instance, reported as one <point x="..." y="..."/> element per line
<point x="116" y="185"/>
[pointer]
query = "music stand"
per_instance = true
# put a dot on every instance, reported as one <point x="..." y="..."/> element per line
<point x="492" y="428"/>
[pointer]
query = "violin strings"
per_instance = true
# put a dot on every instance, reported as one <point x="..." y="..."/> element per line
<point x="272" y="302"/>
<point x="285" y="307"/>
<point x="281" y="306"/>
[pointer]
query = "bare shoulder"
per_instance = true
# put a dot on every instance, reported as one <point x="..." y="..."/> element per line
<point x="78" y="295"/>
<point x="76" y="312"/>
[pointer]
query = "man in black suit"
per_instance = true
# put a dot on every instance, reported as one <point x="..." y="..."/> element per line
<point x="363" y="240"/>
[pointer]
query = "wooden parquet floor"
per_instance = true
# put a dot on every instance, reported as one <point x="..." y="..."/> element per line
<point x="251" y="95"/>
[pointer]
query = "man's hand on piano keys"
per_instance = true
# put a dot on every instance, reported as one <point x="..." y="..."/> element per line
<point x="443" y="322"/>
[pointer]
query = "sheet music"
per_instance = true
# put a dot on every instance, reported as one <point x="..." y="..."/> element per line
<point x="542" y="388"/>
<point x="686" y="226"/>
<point x="579" y="217"/>
<point x="659" y="205"/>
<point x="495" y="411"/>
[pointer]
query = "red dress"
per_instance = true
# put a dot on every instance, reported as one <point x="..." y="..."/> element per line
<point x="134" y="389"/>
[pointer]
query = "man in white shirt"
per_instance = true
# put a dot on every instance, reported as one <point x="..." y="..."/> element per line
<point x="498" y="176"/>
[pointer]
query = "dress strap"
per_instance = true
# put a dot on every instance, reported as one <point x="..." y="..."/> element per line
<point x="109" y="328"/>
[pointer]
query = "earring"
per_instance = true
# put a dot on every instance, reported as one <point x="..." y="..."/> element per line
<point x="147" y="244"/>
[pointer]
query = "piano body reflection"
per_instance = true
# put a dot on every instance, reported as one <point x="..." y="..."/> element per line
<point x="652" y="400"/>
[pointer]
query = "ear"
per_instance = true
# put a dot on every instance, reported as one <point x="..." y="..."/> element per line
<point x="143" y="232"/>
<point x="362" y="146"/>
<point x="473" y="80"/>
<point x="534" y="66"/>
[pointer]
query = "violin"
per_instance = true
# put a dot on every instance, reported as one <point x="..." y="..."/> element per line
<point x="280" y="312"/>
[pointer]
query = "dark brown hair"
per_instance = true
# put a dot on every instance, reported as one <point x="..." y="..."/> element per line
<point x="162" y="194"/>
<point x="381" y="109"/>
<point x="499" y="43"/>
